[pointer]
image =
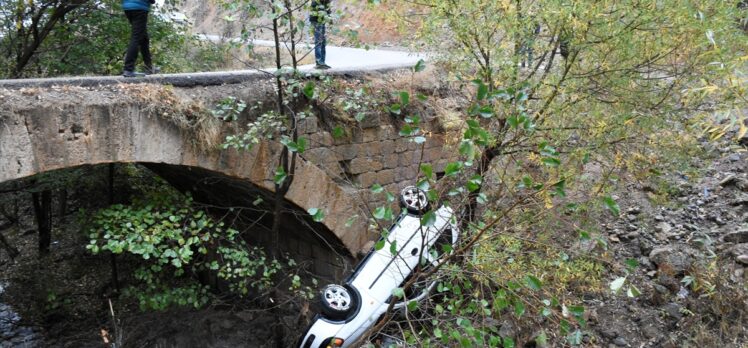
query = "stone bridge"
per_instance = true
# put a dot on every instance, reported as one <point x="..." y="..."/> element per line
<point x="53" y="124"/>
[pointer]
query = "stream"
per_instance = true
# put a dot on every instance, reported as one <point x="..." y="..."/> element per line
<point x="12" y="333"/>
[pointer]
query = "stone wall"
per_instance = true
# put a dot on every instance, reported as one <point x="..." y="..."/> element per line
<point x="373" y="153"/>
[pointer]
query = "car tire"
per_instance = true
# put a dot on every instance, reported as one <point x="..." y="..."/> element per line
<point x="337" y="301"/>
<point x="414" y="200"/>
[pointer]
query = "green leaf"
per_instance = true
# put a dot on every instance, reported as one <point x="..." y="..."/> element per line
<point x="309" y="90"/>
<point x="616" y="285"/>
<point x="393" y="248"/>
<point x="338" y="132"/>
<point x="577" y="311"/>
<point x="379" y="213"/>
<point x="481" y="199"/>
<point x="376" y="188"/>
<point x="612" y="205"/>
<point x="575" y="338"/>
<point x="379" y="244"/>
<point x="519" y="308"/>
<point x="551" y="161"/>
<point x="395" y="109"/>
<point x="584" y="235"/>
<point x="474" y="183"/>
<point x="419" y="66"/>
<point x="428" y="219"/>
<point x="438" y="333"/>
<point x="508" y="342"/>
<point x="482" y="91"/>
<point x="452" y="168"/>
<point x="404" y="98"/>
<point x="486" y="111"/>
<point x="398" y="293"/>
<point x="533" y="282"/>
<point x="317" y="214"/>
<point x="412" y="305"/>
<point x="560" y="188"/>
<point x="301" y="144"/>
<point x="633" y="291"/>
<point x="631" y="264"/>
<point x="280" y="176"/>
<point x="427" y="170"/>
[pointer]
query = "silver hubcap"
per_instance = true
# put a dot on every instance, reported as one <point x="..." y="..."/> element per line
<point x="414" y="198"/>
<point x="338" y="297"/>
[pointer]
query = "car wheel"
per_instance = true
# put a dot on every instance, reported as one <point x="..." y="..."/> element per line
<point x="336" y="301"/>
<point x="414" y="200"/>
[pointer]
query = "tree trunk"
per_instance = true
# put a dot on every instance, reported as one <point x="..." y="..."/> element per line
<point x="63" y="204"/>
<point x="6" y="245"/>
<point x="43" y="212"/>
<point x="112" y="257"/>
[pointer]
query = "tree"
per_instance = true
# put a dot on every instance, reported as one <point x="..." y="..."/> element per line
<point x="58" y="37"/>
<point x="33" y="23"/>
<point x="618" y="85"/>
<point x="286" y="26"/>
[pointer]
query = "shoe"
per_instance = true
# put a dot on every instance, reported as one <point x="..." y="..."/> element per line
<point x="322" y="66"/>
<point x="129" y="73"/>
<point x="150" y="70"/>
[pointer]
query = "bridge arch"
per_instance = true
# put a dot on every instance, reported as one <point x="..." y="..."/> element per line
<point x="40" y="133"/>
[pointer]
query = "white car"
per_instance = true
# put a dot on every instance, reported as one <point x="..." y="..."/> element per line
<point x="349" y="310"/>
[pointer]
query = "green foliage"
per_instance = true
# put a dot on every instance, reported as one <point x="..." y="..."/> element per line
<point x="267" y="126"/>
<point x="229" y="108"/>
<point x="89" y="39"/>
<point x="177" y="241"/>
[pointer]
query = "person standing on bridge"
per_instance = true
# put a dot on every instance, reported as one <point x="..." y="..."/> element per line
<point x="319" y="16"/>
<point x="137" y="14"/>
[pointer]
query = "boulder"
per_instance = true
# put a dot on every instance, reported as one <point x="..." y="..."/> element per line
<point x="676" y="259"/>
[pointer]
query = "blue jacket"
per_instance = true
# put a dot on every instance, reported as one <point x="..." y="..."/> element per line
<point x="129" y="5"/>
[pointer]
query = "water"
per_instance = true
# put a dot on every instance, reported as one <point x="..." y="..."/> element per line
<point x="12" y="334"/>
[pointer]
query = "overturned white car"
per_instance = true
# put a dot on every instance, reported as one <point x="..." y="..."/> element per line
<point x="350" y="309"/>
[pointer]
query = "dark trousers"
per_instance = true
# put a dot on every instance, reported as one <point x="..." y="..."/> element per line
<point x="139" y="40"/>
<point x="320" y="41"/>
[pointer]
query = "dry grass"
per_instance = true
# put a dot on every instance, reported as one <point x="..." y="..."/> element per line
<point x="202" y="128"/>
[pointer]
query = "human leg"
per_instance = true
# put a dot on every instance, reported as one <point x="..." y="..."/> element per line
<point x="145" y="42"/>
<point x="319" y="43"/>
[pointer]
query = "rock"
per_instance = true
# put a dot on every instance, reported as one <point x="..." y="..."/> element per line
<point x="670" y="283"/>
<point x="738" y="237"/>
<point x="650" y="331"/>
<point x="620" y="342"/>
<point x="659" y="218"/>
<point x="742" y="259"/>
<point x="645" y="263"/>
<point x="729" y="180"/>
<point x="663" y="227"/>
<point x="677" y="261"/>
<point x="737" y="250"/>
<point x="614" y="239"/>
<point x="630" y="236"/>
<point x="645" y="246"/>
<point x="507" y="329"/>
<point x="631" y="227"/>
<point x="609" y="333"/>
<point x="673" y="310"/>
<point x="635" y="210"/>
